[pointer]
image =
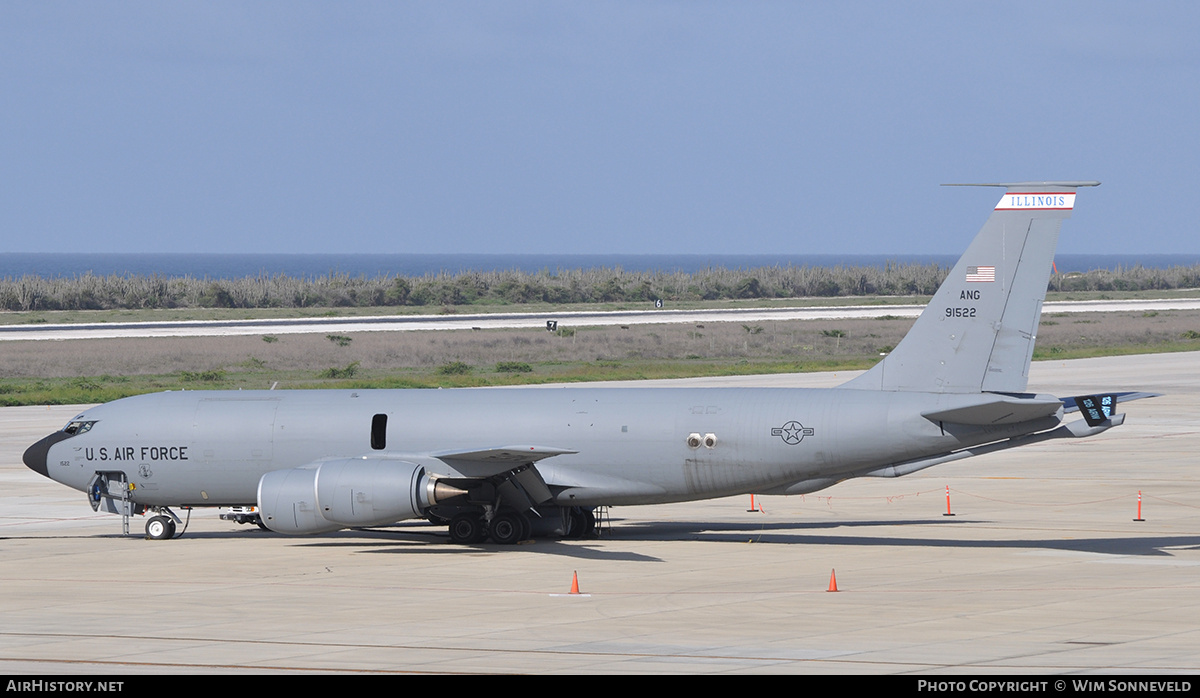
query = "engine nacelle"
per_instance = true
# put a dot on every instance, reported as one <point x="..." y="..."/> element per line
<point x="341" y="494"/>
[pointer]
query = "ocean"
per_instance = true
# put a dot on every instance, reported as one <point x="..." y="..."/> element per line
<point x="233" y="266"/>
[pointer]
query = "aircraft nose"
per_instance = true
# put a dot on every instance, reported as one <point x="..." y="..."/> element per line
<point x="35" y="456"/>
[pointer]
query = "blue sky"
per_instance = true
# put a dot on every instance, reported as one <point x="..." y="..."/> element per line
<point x="563" y="127"/>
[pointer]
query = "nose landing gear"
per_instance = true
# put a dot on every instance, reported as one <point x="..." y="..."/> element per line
<point x="161" y="526"/>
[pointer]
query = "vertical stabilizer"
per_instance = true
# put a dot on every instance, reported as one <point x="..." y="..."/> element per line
<point x="977" y="333"/>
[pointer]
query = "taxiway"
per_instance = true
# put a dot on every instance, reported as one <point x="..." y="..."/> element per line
<point x="1041" y="569"/>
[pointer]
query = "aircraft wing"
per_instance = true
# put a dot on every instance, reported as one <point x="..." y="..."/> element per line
<point x="484" y="462"/>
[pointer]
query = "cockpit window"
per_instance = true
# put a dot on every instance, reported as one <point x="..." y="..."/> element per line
<point x="77" y="428"/>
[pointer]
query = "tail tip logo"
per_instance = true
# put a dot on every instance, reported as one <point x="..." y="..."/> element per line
<point x="1046" y="201"/>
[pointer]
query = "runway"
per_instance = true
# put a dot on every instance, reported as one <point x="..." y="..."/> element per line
<point x="1041" y="569"/>
<point x="479" y="321"/>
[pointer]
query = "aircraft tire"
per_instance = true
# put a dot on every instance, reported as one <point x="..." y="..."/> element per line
<point x="159" y="528"/>
<point x="467" y="529"/>
<point x="583" y="523"/>
<point x="508" y="529"/>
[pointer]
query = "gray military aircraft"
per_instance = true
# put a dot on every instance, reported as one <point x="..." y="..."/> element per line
<point x="511" y="463"/>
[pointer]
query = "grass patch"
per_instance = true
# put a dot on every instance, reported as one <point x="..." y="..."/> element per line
<point x="213" y="376"/>
<point x="72" y="391"/>
<point x="348" y="371"/>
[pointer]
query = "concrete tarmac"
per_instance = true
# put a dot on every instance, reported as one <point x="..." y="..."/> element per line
<point x="1042" y="569"/>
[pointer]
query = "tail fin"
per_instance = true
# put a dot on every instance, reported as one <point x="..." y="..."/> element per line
<point x="977" y="333"/>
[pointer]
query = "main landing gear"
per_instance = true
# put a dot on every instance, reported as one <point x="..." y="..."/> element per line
<point x="468" y="528"/>
<point x="508" y="508"/>
<point x="507" y="528"/>
<point x="583" y="523"/>
<point x="472" y="527"/>
<point x="510" y="528"/>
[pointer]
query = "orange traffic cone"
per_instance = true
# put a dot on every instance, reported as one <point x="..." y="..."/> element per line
<point x="574" y="582"/>
<point x="832" y="581"/>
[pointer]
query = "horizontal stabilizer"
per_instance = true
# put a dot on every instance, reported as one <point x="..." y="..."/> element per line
<point x="998" y="409"/>
<point x="1070" y="404"/>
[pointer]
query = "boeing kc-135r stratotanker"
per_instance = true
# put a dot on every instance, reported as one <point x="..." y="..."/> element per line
<point x="508" y="463"/>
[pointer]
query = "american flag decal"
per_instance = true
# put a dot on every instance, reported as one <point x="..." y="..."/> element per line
<point x="981" y="274"/>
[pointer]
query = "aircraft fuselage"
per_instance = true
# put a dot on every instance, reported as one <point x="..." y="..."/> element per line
<point x="631" y="445"/>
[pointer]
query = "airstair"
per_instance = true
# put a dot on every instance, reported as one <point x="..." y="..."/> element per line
<point x="109" y="491"/>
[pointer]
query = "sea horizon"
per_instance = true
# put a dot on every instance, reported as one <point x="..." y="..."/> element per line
<point x="233" y="265"/>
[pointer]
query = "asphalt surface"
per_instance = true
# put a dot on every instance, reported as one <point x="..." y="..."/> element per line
<point x="1042" y="569"/>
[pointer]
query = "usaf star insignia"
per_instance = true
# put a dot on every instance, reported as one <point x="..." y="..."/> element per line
<point x="793" y="432"/>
